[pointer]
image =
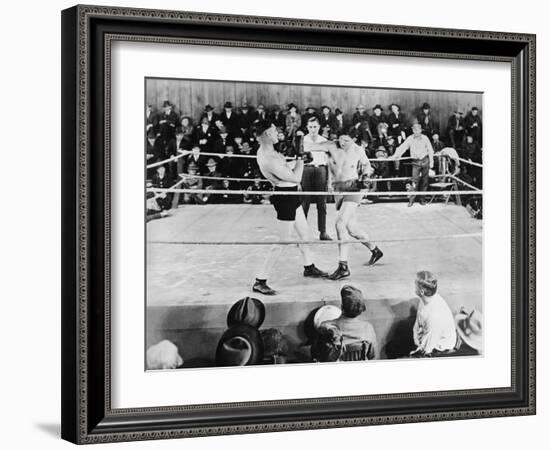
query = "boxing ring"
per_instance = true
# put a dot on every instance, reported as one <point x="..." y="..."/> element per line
<point x="203" y="258"/>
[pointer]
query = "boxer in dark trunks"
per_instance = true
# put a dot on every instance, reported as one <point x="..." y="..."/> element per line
<point x="290" y="214"/>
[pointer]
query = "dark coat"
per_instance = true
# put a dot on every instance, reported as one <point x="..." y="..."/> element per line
<point x="210" y="135"/>
<point x="211" y="119"/>
<point x="374" y="120"/>
<point x="428" y="124"/>
<point x="232" y="123"/>
<point x="278" y="119"/>
<point x="396" y="124"/>
<point x="157" y="150"/>
<point x="167" y="128"/>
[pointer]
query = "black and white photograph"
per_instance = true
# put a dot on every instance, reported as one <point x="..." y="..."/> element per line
<point x="296" y="223"/>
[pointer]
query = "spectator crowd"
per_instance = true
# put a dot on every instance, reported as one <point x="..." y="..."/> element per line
<point x="217" y="145"/>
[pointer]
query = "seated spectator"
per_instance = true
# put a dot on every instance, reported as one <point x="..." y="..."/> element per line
<point x="210" y="115"/>
<point x="209" y="183"/>
<point x="163" y="355"/>
<point x="155" y="151"/>
<point x="205" y="134"/>
<point x="173" y="149"/>
<point x="396" y="123"/>
<point x="237" y="143"/>
<point x="152" y="120"/>
<point x="188" y="132"/>
<point x="326" y="119"/>
<point x="360" y="119"/>
<point x="191" y="181"/>
<point x="377" y="117"/>
<point x="293" y="121"/>
<point x="163" y="180"/>
<point x="381" y="170"/>
<point x="246" y="117"/>
<point x="427" y="121"/>
<point x="436" y="143"/>
<point x="472" y="152"/>
<point x="153" y="209"/>
<point x="278" y="118"/>
<point x="254" y="199"/>
<point x="229" y="166"/>
<point x="261" y="113"/>
<point x="472" y="124"/>
<point x="168" y="120"/>
<point x="340" y="123"/>
<point x="228" y="197"/>
<point x="222" y="141"/>
<point x="352" y="327"/>
<point x="434" y="328"/>
<point x="249" y="167"/>
<point x="230" y="119"/>
<point x="455" y="129"/>
<point x="197" y="159"/>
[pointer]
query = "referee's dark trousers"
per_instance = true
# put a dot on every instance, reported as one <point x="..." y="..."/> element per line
<point x="315" y="179"/>
<point x="420" y="175"/>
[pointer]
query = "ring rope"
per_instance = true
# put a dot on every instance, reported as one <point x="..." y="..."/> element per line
<point x="160" y="163"/>
<point x="464" y="183"/>
<point x="318" y="242"/>
<point x="364" y="192"/>
<point x="467" y="161"/>
<point x="238" y="155"/>
<point x="263" y="180"/>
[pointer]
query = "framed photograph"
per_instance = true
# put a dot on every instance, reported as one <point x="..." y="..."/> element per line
<point x="280" y="224"/>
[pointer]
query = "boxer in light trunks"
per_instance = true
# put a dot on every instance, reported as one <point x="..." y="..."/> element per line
<point x="346" y="164"/>
<point x="290" y="214"/>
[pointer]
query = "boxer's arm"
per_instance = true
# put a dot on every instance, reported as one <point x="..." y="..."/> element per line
<point x="285" y="173"/>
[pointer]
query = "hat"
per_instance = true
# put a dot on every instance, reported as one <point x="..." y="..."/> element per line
<point x="208" y="108"/>
<point x="192" y="166"/>
<point x="360" y="106"/>
<point x="377" y="107"/>
<point x="240" y="345"/>
<point x="276" y="108"/>
<point x="425" y="105"/>
<point x="381" y="152"/>
<point x="337" y="111"/>
<point x="469" y="328"/>
<point x="244" y="105"/>
<point x="395" y="104"/>
<point x="163" y="355"/>
<point x="248" y="310"/>
<point x="353" y="302"/>
<point x="475" y="108"/>
<point x="228" y="105"/>
<point x="310" y="107"/>
<point x="166" y="103"/>
<point x="325" y="106"/>
<point x="324" y="313"/>
<point x="211" y="163"/>
<point x="291" y="105"/>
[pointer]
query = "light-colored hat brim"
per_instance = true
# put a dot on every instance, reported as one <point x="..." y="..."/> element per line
<point x="473" y="340"/>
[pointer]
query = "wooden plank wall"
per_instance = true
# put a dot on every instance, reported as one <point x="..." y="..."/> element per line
<point x="190" y="97"/>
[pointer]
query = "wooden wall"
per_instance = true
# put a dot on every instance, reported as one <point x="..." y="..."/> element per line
<point x="190" y="97"/>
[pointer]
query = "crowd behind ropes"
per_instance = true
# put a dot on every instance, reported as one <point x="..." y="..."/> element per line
<point x="218" y="147"/>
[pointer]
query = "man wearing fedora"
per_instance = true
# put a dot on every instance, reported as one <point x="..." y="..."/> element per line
<point x="293" y="121"/>
<point x="230" y="119"/>
<point x="434" y="328"/>
<point x="168" y="121"/>
<point x="210" y="183"/>
<point x="326" y="119"/>
<point x="427" y="121"/>
<point x="375" y="119"/>
<point x="422" y="155"/>
<point x="290" y="215"/>
<point x="246" y="117"/>
<point x="472" y="124"/>
<point x="210" y="115"/>
<point x="455" y="129"/>
<point x="396" y="123"/>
